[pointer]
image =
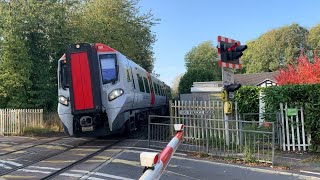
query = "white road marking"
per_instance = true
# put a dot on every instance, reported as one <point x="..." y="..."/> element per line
<point x="101" y="174"/>
<point x="41" y="167"/>
<point x="180" y="174"/>
<point x="71" y="175"/>
<point x="61" y="144"/>
<point x="93" y="178"/>
<point x="11" y="162"/>
<point x="134" y="150"/>
<point x="5" y="166"/>
<point x="35" y="171"/>
<point x="310" y="172"/>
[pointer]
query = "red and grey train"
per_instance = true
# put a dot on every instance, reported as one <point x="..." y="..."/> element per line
<point x="103" y="92"/>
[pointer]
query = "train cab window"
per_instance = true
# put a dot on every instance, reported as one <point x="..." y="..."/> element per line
<point x="140" y="81"/>
<point x="108" y="68"/>
<point x="64" y="75"/>
<point x="146" y="84"/>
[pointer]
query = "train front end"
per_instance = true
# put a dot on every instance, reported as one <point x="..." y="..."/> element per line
<point x="80" y="104"/>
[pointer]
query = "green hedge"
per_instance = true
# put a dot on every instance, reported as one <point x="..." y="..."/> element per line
<point x="307" y="96"/>
<point x="248" y="99"/>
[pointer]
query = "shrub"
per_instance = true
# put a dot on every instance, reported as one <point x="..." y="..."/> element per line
<point x="306" y="96"/>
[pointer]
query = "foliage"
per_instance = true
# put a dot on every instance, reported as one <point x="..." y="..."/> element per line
<point x="119" y="25"/>
<point x="201" y="64"/>
<point x="34" y="35"/>
<point x="274" y="48"/>
<point x="195" y="75"/>
<point x="175" y="86"/>
<point x="38" y="131"/>
<point x="247" y="98"/>
<point x="314" y="37"/>
<point x="306" y="96"/>
<point x="303" y="72"/>
<point x="203" y="56"/>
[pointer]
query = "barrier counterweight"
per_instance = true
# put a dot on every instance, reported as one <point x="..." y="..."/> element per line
<point x="155" y="163"/>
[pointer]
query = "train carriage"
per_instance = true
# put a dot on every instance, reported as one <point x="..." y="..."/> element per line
<point x="103" y="92"/>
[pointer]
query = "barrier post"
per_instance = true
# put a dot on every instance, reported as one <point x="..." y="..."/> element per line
<point x="156" y="163"/>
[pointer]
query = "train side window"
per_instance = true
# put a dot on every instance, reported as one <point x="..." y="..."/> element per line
<point x="146" y="84"/>
<point x="160" y="93"/>
<point x="128" y="75"/>
<point x="64" y="75"/>
<point x="151" y="86"/>
<point x="159" y="90"/>
<point x="140" y="81"/>
<point x="157" y="87"/>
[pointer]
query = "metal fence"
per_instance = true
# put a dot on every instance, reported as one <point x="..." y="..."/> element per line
<point x="246" y="140"/>
<point x="14" y="121"/>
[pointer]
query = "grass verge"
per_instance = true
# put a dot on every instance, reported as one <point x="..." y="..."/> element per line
<point x="39" y="131"/>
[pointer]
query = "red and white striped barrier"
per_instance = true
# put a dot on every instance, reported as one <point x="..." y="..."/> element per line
<point x="156" y="163"/>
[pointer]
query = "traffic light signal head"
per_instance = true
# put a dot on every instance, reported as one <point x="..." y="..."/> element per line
<point x="233" y="87"/>
<point x="231" y="51"/>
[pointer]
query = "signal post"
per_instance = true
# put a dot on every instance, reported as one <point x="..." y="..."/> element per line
<point x="229" y="53"/>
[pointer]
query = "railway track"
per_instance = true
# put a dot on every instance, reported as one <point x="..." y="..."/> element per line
<point x="86" y="149"/>
<point x="65" y="169"/>
<point x="22" y="158"/>
<point x="7" y="142"/>
<point x="22" y="146"/>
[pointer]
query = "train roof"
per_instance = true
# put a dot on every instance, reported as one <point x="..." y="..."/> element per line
<point x="99" y="48"/>
<point x="104" y="48"/>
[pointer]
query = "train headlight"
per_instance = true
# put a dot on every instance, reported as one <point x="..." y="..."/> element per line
<point x="115" y="93"/>
<point x="63" y="100"/>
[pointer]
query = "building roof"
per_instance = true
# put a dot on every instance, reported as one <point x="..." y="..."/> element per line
<point x="254" y="79"/>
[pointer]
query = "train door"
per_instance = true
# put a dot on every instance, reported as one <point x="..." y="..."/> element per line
<point x="152" y="99"/>
<point x="131" y="85"/>
<point x="135" y="100"/>
<point x="85" y="86"/>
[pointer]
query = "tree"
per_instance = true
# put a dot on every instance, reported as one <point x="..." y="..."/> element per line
<point x="194" y="75"/>
<point x="119" y="25"/>
<point x="314" y="37"/>
<point x="303" y="72"/>
<point x="201" y="64"/>
<point x="175" y="85"/>
<point x="275" y="48"/>
<point x="33" y="34"/>
<point x="204" y="56"/>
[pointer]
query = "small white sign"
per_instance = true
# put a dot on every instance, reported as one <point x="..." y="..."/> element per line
<point x="195" y="112"/>
<point x="231" y="95"/>
<point x="227" y="76"/>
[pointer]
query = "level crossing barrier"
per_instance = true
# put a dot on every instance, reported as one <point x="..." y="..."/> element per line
<point x="156" y="163"/>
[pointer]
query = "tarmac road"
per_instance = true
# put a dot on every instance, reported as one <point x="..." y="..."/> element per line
<point x="122" y="161"/>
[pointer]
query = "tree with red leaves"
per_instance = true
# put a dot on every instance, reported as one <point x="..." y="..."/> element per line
<point x="303" y="72"/>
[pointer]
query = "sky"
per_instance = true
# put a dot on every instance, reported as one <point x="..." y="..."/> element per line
<point x="185" y="24"/>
